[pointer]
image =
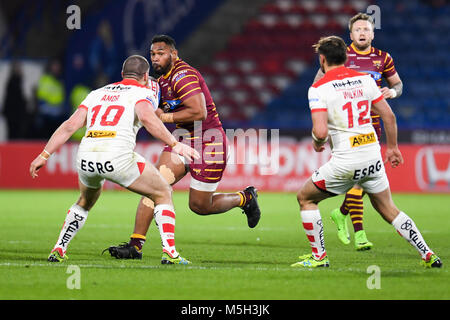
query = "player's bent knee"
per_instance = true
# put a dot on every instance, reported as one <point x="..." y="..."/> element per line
<point x="301" y="197"/>
<point x="303" y="200"/>
<point x="166" y="191"/>
<point x="199" y="208"/>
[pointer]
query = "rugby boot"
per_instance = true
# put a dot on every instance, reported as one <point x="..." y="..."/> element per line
<point x="432" y="261"/>
<point x="361" y="242"/>
<point x="251" y="208"/>
<point x="124" y="251"/>
<point x="167" y="259"/>
<point x="308" y="261"/>
<point x="57" y="255"/>
<point x="340" y="221"/>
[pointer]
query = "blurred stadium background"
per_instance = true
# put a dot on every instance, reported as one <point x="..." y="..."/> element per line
<point x="255" y="56"/>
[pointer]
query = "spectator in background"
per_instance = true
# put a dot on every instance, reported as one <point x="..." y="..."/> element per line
<point x="50" y="100"/>
<point x="102" y="57"/>
<point x="77" y="95"/>
<point x="15" y="104"/>
<point x="77" y="84"/>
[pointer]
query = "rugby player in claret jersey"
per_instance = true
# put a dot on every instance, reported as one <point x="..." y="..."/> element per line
<point x="363" y="57"/>
<point x="187" y="102"/>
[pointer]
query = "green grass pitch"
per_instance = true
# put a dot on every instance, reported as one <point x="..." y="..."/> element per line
<point x="229" y="260"/>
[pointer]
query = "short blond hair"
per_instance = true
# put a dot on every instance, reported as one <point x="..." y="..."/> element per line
<point x="360" y="16"/>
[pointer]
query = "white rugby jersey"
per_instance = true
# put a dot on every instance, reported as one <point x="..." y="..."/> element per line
<point x="347" y="96"/>
<point x="112" y="123"/>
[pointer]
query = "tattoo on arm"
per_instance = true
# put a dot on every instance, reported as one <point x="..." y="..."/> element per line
<point x="398" y="87"/>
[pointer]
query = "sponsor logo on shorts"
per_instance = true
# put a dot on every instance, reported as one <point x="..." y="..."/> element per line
<point x="370" y="170"/>
<point x="101" y="167"/>
<point x="100" y="134"/>
<point x="362" y="139"/>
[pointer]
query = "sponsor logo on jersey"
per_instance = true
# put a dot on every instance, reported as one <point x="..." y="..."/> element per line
<point x="343" y="84"/>
<point x="362" y="139"/>
<point x="375" y="75"/>
<point x="117" y="87"/>
<point x="179" y="75"/>
<point x="100" y="134"/>
<point x="376" y="63"/>
<point x="171" y="105"/>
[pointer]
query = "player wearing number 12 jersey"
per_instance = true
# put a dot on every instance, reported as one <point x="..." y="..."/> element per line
<point x="340" y="106"/>
<point x="364" y="58"/>
<point x="112" y="115"/>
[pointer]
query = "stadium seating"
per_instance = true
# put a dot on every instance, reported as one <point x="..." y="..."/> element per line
<point x="272" y="63"/>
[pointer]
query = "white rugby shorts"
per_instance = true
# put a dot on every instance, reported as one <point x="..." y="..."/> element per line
<point x="94" y="167"/>
<point x="337" y="176"/>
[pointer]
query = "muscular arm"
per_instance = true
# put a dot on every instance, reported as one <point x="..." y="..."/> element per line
<point x="76" y="121"/>
<point x="393" y="155"/>
<point x="153" y="124"/>
<point x="157" y="129"/>
<point x="195" y="110"/>
<point x="319" y="129"/>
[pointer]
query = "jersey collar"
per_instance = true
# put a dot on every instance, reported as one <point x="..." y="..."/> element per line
<point x="171" y="69"/>
<point x="361" y="52"/>
<point x="132" y="82"/>
<point x="337" y="70"/>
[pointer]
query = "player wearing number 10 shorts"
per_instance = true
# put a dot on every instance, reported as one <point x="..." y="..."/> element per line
<point x="113" y="115"/>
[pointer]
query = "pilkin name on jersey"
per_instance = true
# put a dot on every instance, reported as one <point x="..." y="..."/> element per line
<point x="353" y="94"/>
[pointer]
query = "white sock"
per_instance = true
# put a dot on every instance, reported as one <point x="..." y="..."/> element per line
<point x="75" y="219"/>
<point x="312" y="223"/>
<point x="406" y="227"/>
<point x="165" y="221"/>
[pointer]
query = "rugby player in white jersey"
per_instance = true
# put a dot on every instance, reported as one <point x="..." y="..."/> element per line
<point x="113" y="115"/>
<point x="340" y="106"/>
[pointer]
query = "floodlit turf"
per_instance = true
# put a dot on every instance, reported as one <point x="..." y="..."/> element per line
<point x="229" y="260"/>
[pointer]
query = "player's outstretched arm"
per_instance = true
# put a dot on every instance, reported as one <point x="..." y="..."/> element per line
<point x="195" y="110"/>
<point x="58" y="138"/>
<point x="393" y="154"/>
<point x="156" y="128"/>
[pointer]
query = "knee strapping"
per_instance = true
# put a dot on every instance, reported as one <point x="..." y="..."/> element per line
<point x="167" y="174"/>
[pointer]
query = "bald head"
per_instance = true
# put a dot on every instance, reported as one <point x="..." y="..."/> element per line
<point x="135" y="67"/>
